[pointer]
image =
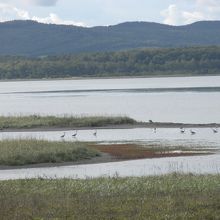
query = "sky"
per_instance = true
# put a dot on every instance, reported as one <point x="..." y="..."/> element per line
<point x="109" y="12"/>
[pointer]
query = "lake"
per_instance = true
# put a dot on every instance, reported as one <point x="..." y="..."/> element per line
<point x="171" y="99"/>
<point x="174" y="99"/>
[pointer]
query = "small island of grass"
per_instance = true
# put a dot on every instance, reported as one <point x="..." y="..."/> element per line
<point x="27" y="152"/>
<point x="37" y="121"/>
<point x="34" y="153"/>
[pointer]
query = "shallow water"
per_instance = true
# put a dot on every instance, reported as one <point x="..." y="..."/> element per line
<point x="189" y="99"/>
<point x="167" y="137"/>
<point x="179" y="99"/>
<point x="163" y="136"/>
<point x="144" y="167"/>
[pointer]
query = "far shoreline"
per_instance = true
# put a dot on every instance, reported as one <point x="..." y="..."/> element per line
<point x="108" y="77"/>
<point x="123" y="126"/>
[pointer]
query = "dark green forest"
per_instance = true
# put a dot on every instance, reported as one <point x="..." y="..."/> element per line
<point x="29" y="38"/>
<point x="143" y="62"/>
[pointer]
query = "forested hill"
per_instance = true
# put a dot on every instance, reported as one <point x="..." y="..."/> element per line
<point x="143" y="62"/>
<point x="29" y="38"/>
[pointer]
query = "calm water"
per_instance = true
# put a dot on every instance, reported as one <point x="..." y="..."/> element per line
<point x="164" y="136"/>
<point x="179" y="99"/>
<point x="189" y="99"/>
<point x="197" y="165"/>
<point x="204" y="139"/>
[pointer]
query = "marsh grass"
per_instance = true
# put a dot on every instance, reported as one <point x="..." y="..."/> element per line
<point x="37" y="121"/>
<point x="162" y="197"/>
<point x="24" y="152"/>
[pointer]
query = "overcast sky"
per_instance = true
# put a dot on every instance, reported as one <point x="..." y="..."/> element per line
<point x="108" y="12"/>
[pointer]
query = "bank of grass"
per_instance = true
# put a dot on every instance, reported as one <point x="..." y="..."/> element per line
<point x="26" y="152"/>
<point x="161" y="197"/>
<point x="37" y="121"/>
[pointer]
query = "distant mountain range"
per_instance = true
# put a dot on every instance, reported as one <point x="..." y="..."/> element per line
<point x="30" y="38"/>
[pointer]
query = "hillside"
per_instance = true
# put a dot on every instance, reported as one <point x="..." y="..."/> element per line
<point x="142" y="62"/>
<point x="29" y="38"/>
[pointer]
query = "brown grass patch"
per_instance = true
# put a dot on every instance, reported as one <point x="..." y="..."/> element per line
<point x="133" y="151"/>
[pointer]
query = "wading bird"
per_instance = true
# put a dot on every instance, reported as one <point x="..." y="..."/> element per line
<point x="95" y="133"/>
<point x="62" y="136"/>
<point x="215" y="130"/>
<point x="182" y="130"/>
<point x="74" y="135"/>
<point x="155" y="130"/>
<point x="192" y="132"/>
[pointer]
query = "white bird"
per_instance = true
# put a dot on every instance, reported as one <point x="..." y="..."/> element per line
<point x="182" y="130"/>
<point x="74" y="135"/>
<point x="192" y="132"/>
<point x="155" y="130"/>
<point x="62" y="136"/>
<point x="215" y="130"/>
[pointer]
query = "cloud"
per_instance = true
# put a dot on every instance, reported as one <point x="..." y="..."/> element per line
<point x="177" y="14"/>
<point x="190" y="17"/>
<point x="9" y="12"/>
<point x="212" y="7"/>
<point x="172" y="15"/>
<point x="55" y="19"/>
<point x="41" y="2"/>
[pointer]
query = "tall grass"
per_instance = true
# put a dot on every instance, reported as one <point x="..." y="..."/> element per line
<point x="36" y="121"/>
<point x="24" y="152"/>
<point x="164" y="197"/>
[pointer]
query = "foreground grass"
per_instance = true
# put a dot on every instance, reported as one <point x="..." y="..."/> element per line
<point x="24" y="152"/>
<point x="164" y="197"/>
<point x="36" y="121"/>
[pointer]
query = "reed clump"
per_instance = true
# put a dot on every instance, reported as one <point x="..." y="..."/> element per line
<point x="25" y="152"/>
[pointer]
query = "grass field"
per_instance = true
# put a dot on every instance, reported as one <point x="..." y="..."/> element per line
<point x="164" y="197"/>
<point x="36" y="121"/>
<point x="25" y="152"/>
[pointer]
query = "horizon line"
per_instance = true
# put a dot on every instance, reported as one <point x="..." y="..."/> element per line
<point x="110" y="25"/>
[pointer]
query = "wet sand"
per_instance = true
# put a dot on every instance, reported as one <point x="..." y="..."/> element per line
<point x="134" y="151"/>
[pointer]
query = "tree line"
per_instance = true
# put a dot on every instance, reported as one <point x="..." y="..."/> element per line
<point x="142" y="62"/>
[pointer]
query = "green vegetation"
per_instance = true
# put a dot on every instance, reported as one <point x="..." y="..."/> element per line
<point x="145" y="62"/>
<point x="24" y="152"/>
<point x="30" y="38"/>
<point x="163" y="197"/>
<point x="37" y="121"/>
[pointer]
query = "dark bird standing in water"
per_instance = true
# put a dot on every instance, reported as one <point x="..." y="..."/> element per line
<point x="74" y="135"/>
<point x="62" y="136"/>
<point x="192" y="132"/>
<point x="215" y="130"/>
<point x="95" y="133"/>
